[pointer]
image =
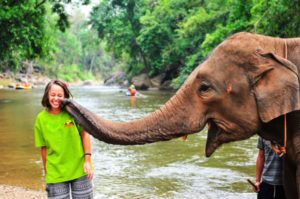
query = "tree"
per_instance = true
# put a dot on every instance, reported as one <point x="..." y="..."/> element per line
<point x="276" y="17"/>
<point x="24" y="33"/>
<point x="117" y="22"/>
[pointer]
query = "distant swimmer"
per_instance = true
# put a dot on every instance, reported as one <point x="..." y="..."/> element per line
<point x="132" y="90"/>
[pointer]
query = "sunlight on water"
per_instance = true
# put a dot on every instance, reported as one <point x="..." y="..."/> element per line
<point x="173" y="169"/>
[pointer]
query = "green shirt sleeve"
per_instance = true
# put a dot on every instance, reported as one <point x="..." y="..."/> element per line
<point x="38" y="136"/>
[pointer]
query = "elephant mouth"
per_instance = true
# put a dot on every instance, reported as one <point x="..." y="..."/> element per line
<point x="213" y="134"/>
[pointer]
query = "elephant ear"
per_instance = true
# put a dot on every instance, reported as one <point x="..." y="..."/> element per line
<point x="276" y="86"/>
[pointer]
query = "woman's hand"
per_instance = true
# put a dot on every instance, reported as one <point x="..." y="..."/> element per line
<point x="87" y="167"/>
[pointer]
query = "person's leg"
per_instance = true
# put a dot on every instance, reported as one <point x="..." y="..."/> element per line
<point x="58" y="190"/>
<point x="81" y="188"/>
<point x="266" y="191"/>
<point x="280" y="192"/>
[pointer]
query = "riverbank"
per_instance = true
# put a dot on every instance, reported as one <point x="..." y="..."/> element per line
<point x="141" y="82"/>
<point x="9" y="80"/>
<point x="13" y="192"/>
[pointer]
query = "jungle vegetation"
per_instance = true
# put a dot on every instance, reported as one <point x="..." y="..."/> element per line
<point x="136" y="36"/>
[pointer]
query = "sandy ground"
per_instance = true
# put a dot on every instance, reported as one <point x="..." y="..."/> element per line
<point x="12" y="192"/>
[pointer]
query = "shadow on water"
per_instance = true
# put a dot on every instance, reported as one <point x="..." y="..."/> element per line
<point x="173" y="169"/>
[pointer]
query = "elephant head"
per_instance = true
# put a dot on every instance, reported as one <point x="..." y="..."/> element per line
<point x="245" y="82"/>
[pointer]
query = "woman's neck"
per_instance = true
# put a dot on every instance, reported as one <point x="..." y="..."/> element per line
<point x="54" y="111"/>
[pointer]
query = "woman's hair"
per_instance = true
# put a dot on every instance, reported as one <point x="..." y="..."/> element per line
<point x="63" y="85"/>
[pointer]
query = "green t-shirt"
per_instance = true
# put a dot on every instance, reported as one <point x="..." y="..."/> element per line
<point x="61" y="137"/>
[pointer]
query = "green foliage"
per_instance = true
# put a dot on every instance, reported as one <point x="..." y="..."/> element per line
<point x="93" y="56"/>
<point x="72" y="73"/>
<point x="79" y="54"/>
<point x="24" y="29"/>
<point x="158" y="34"/>
<point x="68" y="49"/>
<point x="276" y="17"/>
<point x="118" y="23"/>
<point x="22" y="32"/>
<point x="175" y="35"/>
<point x="153" y="36"/>
<point x="260" y="16"/>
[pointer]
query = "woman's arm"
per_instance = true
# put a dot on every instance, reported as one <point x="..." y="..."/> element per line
<point x="86" y="142"/>
<point x="44" y="152"/>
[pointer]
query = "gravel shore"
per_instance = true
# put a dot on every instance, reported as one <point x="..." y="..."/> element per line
<point x="13" y="192"/>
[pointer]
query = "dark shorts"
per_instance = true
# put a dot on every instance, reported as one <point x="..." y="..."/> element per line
<point x="268" y="191"/>
<point x="81" y="188"/>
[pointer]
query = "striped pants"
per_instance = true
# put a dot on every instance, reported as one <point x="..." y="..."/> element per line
<point x="81" y="188"/>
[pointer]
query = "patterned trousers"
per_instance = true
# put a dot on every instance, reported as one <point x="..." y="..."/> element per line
<point x="81" y="188"/>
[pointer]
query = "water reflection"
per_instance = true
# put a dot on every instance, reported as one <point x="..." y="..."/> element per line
<point x="173" y="169"/>
<point x="132" y="101"/>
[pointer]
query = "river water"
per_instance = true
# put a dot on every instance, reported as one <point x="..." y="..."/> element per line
<point x="172" y="169"/>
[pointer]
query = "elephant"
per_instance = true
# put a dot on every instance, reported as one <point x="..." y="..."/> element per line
<point x="248" y="85"/>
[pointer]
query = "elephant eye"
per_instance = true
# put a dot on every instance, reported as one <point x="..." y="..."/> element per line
<point x="204" y="87"/>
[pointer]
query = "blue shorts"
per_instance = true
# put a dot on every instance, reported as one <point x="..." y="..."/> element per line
<point x="81" y="188"/>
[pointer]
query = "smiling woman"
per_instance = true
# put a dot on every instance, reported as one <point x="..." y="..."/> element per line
<point x="65" y="147"/>
<point x="56" y="95"/>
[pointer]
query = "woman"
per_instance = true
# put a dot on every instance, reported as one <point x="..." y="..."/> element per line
<point x="65" y="147"/>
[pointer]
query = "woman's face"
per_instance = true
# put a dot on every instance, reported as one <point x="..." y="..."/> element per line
<point x="56" y="95"/>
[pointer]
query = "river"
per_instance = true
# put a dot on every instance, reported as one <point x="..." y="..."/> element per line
<point x="172" y="169"/>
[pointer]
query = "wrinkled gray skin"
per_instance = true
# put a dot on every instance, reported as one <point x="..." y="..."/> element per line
<point x="243" y="88"/>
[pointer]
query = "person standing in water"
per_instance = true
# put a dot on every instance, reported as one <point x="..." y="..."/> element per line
<point x="65" y="147"/>
<point x="269" y="172"/>
<point x="132" y="90"/>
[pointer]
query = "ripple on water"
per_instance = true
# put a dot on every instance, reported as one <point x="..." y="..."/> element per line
<point x="121" y="172"/>
<point x="198" y="181"/>
<point x="5" y="101"/>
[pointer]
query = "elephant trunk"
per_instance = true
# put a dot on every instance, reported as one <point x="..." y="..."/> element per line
<point x="170" y="121"/>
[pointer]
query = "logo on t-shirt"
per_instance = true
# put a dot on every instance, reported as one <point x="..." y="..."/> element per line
<point x="69" y="123"/>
